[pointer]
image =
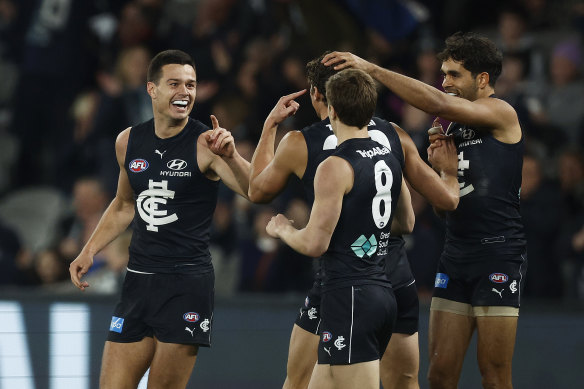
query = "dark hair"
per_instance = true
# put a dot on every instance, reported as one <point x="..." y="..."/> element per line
<point x="353" y="95"/>
<point x="476" y="53"/>
<point x="167" y="57"/>
<point x="318" y="74"/>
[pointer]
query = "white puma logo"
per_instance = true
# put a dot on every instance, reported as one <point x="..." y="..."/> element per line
<point x="500" y="292"/>
<point x="301" y="313"/>
<point x="159" y="153"/>
<point x="328" y="351"/>
<point x="191" y="331"/>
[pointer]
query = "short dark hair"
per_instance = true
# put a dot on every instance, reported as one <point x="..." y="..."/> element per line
<point x="352" y="94"/>
<point x="476" y="53"/>
<point x="318" y="74"/>
<point x="167" y="57"/>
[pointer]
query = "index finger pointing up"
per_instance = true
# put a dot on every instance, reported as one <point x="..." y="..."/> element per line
<point x="294" y="95"/>
<point x="214" y="121"/>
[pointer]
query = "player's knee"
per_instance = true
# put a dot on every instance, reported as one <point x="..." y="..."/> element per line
<point x="496" y="375"/>
<point x="399" y="380"/>
<point x="440" y="377"/>
<point x="494" y="382"/>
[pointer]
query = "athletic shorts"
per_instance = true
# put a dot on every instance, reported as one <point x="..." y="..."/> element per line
<point x="357" y="322"/>
<point x="175" y="308"/>
<point x="492" y="282"/>
<point x="408" y="309"/>
<point x="309" y="315"/>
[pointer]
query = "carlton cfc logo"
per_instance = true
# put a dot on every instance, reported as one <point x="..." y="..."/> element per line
<point x="191" y="317"/>
<point x="498" y="278"/>
<point x="138" y="165"/>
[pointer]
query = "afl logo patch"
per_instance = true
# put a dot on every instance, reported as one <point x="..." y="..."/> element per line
<point x="498" y="278"/>
<point x="326" y="336"/>
<point x="138" y="165"/>
<point x="191" y="317"/>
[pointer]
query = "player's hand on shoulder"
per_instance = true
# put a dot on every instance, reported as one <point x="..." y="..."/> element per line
<point x="78" y="268"/>
<point x="219" y="140"/>
<point x="284" y="108"/>
<point x="275" y="225"/>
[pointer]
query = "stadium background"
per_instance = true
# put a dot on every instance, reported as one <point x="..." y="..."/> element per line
<point x="73" y="77"/>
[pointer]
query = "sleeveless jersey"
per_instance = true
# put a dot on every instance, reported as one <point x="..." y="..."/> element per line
<point x="174" y="201"/>
<point x="321" y="142"/>
<point x="359" y="245"/>
<point x="487" y="221"/>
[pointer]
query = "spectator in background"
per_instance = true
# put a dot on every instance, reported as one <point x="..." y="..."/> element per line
<point x="89" y="202"/>
<point x="258" y="252"/>
<point x="539" y="211"/>
<point x="50" y="268"/>
<point x="14" y="269"/>
<point x="570" y="248"/>
<point x="514" y="38"/>
<point x="57" y="63"/>
<point x="291" y="271"/>
<point x="560" y="109"/>
<point x="122" y="99"/>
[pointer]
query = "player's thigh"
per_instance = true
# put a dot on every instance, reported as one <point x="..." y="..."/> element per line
<point x="124" y="364"/>
<point x="449" y="335"/>
<point x="399" y="366"/>
<point x="496" y="342"/>
<point x="364" y="375"/>
<point x="172" y="365"/>
<point x="321" y="378"/>
<point x="302" y="353"/>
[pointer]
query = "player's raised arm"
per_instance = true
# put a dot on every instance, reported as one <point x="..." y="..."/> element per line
<point x="481" y="111"/>
<point x="270" y="170"/>
<point x="226" y="162"/>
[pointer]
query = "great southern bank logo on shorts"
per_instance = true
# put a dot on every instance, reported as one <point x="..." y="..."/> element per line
<point x="117" y="324"/>
<point x="441" y="280"/>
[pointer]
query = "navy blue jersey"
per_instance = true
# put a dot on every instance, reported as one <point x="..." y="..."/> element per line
<point x="359" y="245"/>
<point x="174" y="201"/>
<point x="321" y="142"/>
<point x="487" y="221"/>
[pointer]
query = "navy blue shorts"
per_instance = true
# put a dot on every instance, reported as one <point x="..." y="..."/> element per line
<point x="175" y="308"/>
<point x="357" y="323"/>
<point x="492" y="282"/>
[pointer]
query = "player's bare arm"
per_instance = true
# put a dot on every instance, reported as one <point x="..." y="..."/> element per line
<point x="404" y="217"/>
<point x="115" y="220"/>
<point x="485" y="113"/>
<point x="270" y="170"/>
<point x="442" y="189"/>
<point x="333" y="179"/>
<point x="218" y="159"/>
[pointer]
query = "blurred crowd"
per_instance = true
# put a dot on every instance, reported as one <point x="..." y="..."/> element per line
<point x="74" y="75"/>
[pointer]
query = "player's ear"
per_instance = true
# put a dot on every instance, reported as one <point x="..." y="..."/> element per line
<point x="483" y="79"/>
<point x="331" y="112"/>
<point x="151" y="89"/>
<point x="317" y="95"/>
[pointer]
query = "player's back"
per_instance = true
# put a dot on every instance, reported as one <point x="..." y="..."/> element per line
<point x="174" y="201"/>
<point x="358" y="248"/>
